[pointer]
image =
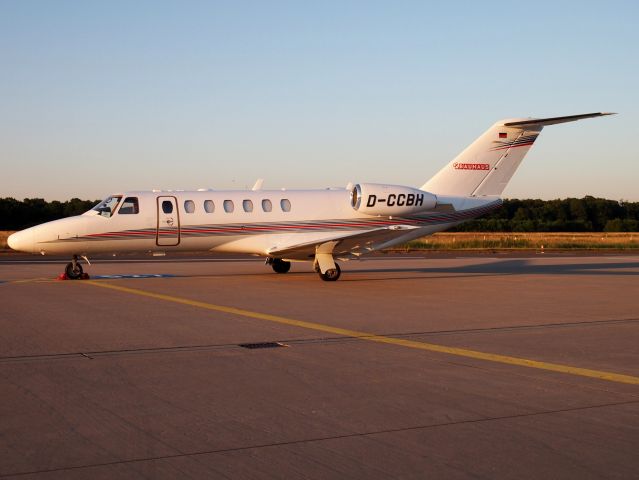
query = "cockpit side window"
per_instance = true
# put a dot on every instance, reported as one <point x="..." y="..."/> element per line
<point x="129" y="206"/>
<point x="107" y="206"/>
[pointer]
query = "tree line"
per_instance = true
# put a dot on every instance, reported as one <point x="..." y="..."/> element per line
<point x="17" y="214"/>
<point x="588" y="214"/>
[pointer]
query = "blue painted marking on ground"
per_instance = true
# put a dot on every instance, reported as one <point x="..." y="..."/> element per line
<point x="139" y="275"/>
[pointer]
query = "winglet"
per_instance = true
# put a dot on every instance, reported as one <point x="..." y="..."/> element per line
<point x="258" y="184"/>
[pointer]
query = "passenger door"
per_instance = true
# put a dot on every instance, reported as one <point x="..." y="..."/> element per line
<point x="168" y="227"/>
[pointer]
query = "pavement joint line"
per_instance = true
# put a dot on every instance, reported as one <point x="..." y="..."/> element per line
<point x="304" y="341"/>
<point x="285" y="443"/>
<point x="366" y="336"/>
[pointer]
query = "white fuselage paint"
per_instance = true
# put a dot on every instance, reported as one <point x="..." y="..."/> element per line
<point x="314" y="215"/>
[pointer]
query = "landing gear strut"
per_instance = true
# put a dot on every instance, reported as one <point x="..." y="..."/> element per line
<point x="280" y="266"/>
<point x="73" y="269"/>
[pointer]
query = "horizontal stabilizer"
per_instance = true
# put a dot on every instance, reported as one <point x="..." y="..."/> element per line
<point x="555" y="120"/>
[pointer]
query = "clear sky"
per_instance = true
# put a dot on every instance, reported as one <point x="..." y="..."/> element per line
<point x="99" y="97"/>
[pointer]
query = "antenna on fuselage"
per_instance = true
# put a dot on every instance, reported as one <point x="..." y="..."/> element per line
<point x="258" y="184"/>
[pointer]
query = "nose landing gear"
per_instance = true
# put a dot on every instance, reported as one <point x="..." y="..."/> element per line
<point x="74" y="271"/>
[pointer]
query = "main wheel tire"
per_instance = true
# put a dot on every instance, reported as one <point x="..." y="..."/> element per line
<point x="280" y="266"/>
<point x="332" y="274"/>
<point x="73" y="273"/>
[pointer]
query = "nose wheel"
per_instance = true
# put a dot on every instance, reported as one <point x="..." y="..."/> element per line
<point x="73" y="270"/>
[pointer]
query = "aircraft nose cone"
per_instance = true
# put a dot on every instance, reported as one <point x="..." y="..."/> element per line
<point x="13" y="241"/>
<point x="21" y="241"/>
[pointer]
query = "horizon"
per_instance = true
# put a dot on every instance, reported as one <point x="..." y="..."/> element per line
<point x="620" y="201"/>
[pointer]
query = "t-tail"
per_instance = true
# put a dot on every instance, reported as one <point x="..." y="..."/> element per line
<point x="486" y="166"/>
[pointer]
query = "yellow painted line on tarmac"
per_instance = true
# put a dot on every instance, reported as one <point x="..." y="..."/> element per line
<point x="431" y="347"/>
<point x="30" y="280"/>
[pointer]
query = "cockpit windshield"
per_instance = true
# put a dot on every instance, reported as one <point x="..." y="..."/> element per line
<point x="107" y="206"/>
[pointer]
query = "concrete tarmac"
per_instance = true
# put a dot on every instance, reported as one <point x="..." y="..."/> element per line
<point x="407" y="367"/>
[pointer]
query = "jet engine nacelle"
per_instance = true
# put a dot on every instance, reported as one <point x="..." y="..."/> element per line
<point x="376" y="199"/>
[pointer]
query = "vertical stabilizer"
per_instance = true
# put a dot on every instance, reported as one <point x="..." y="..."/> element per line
<point x="488" y="164"/>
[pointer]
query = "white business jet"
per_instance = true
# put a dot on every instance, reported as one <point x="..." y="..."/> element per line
<point x="295" y="225"/>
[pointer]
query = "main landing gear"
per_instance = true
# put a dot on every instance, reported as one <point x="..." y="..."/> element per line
<point x="331" y="274"/>
<point x="324" y="263"/>
<point x="278" y="265"/>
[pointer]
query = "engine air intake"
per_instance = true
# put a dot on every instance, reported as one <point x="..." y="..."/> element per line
<point x="377" y="199"/>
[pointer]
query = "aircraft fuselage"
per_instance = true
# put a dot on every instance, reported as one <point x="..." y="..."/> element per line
<point x="258" y="222"/>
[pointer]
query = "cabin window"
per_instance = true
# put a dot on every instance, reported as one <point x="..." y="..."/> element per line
<point x="167" y="206"/>
<point x="129" y="206"/>
<point x="267" y="206"/>
<point x="189" y="206"/>
<point x="285" y="203"/>
<point x="209" y="206"/>
<point x="247" y="205"/>
<point x="228" y="206"/>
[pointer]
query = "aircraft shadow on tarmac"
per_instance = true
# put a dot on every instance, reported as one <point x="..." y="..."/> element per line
<point x="521" y="267"/>
<point x="491" y="269"/>
<point x="497" y="268"/>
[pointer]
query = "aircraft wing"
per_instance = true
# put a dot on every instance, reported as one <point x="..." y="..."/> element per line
<point x="344" y="244"/>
